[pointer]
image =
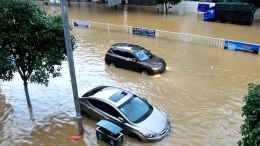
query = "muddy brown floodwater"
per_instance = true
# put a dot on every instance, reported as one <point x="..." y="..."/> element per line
<point x="201" y="92"/>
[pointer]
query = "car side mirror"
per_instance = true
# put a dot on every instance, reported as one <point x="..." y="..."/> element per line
<point x="121" y="119"/>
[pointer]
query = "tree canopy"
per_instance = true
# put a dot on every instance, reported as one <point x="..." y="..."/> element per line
<point x="251" y="111"/>
<point x="32" y="43"/>
<point x="167" y="3"/>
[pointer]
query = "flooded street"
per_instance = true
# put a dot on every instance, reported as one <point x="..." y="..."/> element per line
<point x="201" y="92"/>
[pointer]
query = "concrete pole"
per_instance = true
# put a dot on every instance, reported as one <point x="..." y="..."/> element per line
<point x="71" y="64"/>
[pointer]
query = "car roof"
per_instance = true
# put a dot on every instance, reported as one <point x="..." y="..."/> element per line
<point x="126" y="47"/>
<point x="106" y="93"/>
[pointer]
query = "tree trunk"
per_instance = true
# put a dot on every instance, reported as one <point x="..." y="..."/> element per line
<point x="25" y="84"/>
<point x="166" y="8"/>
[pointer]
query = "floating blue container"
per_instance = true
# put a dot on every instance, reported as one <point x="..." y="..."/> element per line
<point x="109" y="133"/>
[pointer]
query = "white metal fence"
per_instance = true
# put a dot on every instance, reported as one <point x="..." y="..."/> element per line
<point x="190" y="38"/>
<point x="160" y="34"/>
<point x="109" y="27"/>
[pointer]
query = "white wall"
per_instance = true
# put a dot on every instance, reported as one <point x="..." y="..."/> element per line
<point x="257" y="13"/>
<point x="190" y="6"/>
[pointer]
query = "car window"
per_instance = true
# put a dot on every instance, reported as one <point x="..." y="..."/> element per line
<point x="136" y="109"/>
<point x="113" y="112"/>
<point x="123" y="54"/>
<point x="129" y="55"/>
<point x="98" y="104"/>
<point x="143" y="54"/>
<point x="118" y="52"/>
<point x="105" y="108"/>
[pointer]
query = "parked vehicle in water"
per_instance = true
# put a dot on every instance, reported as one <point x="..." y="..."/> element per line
<point x="231" y="12"/>
<point x="133" y="114"/>
<point x="136" y="58"/>
<point x="209" y="15"/>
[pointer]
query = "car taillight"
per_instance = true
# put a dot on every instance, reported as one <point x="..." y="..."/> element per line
<point x="105" y="54"/>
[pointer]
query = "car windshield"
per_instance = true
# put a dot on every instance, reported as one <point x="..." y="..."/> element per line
<point x="136" y="109"/>
<point x="143" y="54"/>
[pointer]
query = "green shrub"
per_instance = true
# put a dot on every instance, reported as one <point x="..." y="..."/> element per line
<point x="251" y="111"/>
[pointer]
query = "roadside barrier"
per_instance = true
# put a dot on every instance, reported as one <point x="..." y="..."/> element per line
<point x="190" y="38"/>
<point x="160" y="34"/>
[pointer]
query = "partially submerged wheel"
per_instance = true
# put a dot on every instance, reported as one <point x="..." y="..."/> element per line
<point x="135" y="137"/>
<point x="145" y="72"/>
<point x="112" y="64"/>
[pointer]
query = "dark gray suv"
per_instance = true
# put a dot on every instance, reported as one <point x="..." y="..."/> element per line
<point x="136" y="58"/>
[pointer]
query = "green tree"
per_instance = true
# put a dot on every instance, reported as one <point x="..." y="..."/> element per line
<point x="167" y="3"/>
<point x="31" y="43"/>
<point x="251" y="111"/>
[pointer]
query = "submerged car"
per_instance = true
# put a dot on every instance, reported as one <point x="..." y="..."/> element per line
<point x="136" y="58"/>
<point x="133" y="114"/>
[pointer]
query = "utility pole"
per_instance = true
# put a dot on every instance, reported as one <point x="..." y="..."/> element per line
<point x="71" y="64"/>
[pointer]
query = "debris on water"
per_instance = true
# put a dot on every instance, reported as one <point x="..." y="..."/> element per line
<point x="212" y="74"/>
<point x="211" y="66"/>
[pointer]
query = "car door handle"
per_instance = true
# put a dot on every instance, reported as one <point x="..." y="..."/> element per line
<point x="106" y="117"/>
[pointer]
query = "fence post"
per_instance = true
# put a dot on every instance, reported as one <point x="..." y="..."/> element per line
<point x="108" y="26"/>
<point x="156" y="33"/>
<point x="222" y="43"/>
<point x="131" y="29"/>
<point x="187" y="35"/>
<point x="88" y="24"/>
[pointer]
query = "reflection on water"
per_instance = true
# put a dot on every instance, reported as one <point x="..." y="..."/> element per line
<point x="201" y="91"/>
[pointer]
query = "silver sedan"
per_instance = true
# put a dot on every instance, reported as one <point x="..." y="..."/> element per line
<point x="133" y="114"/>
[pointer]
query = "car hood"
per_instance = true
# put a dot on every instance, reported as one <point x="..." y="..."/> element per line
<point x="154" y="62"/>
<point x="156" y="122"/>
